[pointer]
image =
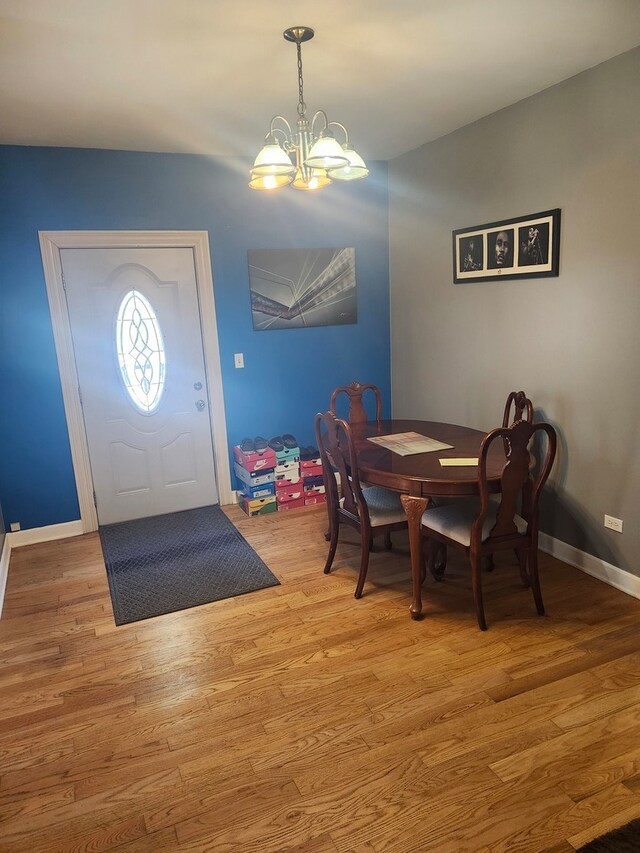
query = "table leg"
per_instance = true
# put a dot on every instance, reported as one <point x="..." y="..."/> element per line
<point x="414" y="507"/>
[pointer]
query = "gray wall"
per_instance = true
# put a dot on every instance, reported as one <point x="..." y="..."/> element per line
<point x="572" y="342"/>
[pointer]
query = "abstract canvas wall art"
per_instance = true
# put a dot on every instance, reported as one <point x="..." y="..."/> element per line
<point x="294" y="288"/>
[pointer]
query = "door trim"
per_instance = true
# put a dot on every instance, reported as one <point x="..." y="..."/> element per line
<point x="51" y="242"/>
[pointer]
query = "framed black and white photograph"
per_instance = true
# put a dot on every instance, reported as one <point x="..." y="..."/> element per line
<point x="524" y="247"/>
<point x="471" y="253"/>
<point x="294" y="288"/>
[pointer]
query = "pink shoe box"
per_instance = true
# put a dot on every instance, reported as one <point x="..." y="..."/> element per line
<point x="310" y="470"/>
<point x="293" y="504"/>
<point x="311" y="463"/>
<point x="285" y="485"/>
<point x="317" y="489"/>
<point x="255" y="461"/>
<point x="295" y="493"/>
<point x="287" y="471"/>
<point x="311" y="498"/>
<point x="258" y="507"/>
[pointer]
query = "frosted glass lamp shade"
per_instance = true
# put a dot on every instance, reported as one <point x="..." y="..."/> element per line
<point x="269" y="182"/>
<point x="355" y="168"/>
<point x="316" y="181"/>
<point x="326" y="153"/>
<point x="273" y="160"/>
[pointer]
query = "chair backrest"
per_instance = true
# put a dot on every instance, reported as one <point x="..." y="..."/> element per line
<point x="357" y="413"/>
<point x="520" y="490"/>
<point x="523" y="409"/>
<point x="337" y="452"/>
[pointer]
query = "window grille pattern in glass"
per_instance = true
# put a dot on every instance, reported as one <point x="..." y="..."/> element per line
<point x="141" y="354"/>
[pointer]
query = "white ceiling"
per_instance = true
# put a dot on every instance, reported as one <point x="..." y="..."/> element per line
<point x="206" y="76"/>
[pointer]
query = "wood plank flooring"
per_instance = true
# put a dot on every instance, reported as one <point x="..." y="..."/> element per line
<point x="296" y="718"/>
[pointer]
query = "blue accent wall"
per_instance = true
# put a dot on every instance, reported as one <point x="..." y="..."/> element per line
<point x="288" y="375"/>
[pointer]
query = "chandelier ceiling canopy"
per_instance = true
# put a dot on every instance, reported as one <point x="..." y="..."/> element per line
<point x="311" y="157"/>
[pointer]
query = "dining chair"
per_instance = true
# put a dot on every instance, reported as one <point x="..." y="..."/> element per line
<point x="357" y="412"/>
<point x="371" y="510"/>
<point x="523" y="409"/>
<point x="482" y="526"/>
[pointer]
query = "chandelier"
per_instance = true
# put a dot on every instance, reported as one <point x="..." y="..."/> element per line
<point x="319" y="158"/>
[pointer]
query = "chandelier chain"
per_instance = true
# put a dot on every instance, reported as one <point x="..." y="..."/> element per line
<point x="302" y="107"/>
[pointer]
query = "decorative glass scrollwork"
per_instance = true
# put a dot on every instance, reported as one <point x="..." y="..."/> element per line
<point x="141" y="354"/>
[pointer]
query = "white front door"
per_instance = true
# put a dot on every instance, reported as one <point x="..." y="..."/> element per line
<point x="137" y="340"/>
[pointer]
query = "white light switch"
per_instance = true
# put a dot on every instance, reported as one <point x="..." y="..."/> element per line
<point x="238" y="359"/>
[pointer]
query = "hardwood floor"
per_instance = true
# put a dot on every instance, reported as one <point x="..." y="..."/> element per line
<point x="296" y="718"/>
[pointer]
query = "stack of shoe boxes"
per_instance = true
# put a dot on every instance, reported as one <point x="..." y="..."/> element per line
<point x="312" y="479"/>
<point x="255" y="472"/>
<point x="289" y="493"/>
<point x="277" y="477"/>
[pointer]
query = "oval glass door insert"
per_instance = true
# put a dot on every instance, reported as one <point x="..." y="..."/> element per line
<point x="141" y="355"/>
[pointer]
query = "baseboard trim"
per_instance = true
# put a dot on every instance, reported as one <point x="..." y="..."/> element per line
<point x="4" y="569"/>
<point x="18" y="538"/>
<point x="594" y="566"/>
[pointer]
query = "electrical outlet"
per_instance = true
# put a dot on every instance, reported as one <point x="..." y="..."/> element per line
<point x="14" y="526"/>
<point x="613" y="523"/>
<point x="238" y="359"/>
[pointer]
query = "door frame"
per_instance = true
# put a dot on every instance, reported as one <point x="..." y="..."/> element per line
<point x="51" y="242"/>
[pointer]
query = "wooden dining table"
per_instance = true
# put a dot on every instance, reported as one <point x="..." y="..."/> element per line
<point x="420" y="477"/>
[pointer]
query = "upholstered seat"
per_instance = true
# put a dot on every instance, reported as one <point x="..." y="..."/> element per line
<point x="454" y="520"/>
<point x="384" y="506"/>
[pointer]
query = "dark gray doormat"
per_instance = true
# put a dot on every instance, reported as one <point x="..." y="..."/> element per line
<point x="623" y="840"/>
<point x="172" y="562"/>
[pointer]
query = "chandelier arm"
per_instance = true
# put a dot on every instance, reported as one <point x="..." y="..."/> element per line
<point x="342" y="128"/>
<point x="315" y="116"/>
<point x="273" y="129"/>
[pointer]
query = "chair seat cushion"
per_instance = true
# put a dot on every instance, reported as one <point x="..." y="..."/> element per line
<point x="384" y="506"/>
<point x="455" y="519"/>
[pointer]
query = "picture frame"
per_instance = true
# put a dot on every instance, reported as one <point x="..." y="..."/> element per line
<point x="522" y="247"/>
<point x="299" y="288"/>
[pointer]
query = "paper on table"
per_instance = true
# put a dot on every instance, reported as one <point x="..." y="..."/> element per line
<point x="459" y="462"/>
<point x="408" y="443"/>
